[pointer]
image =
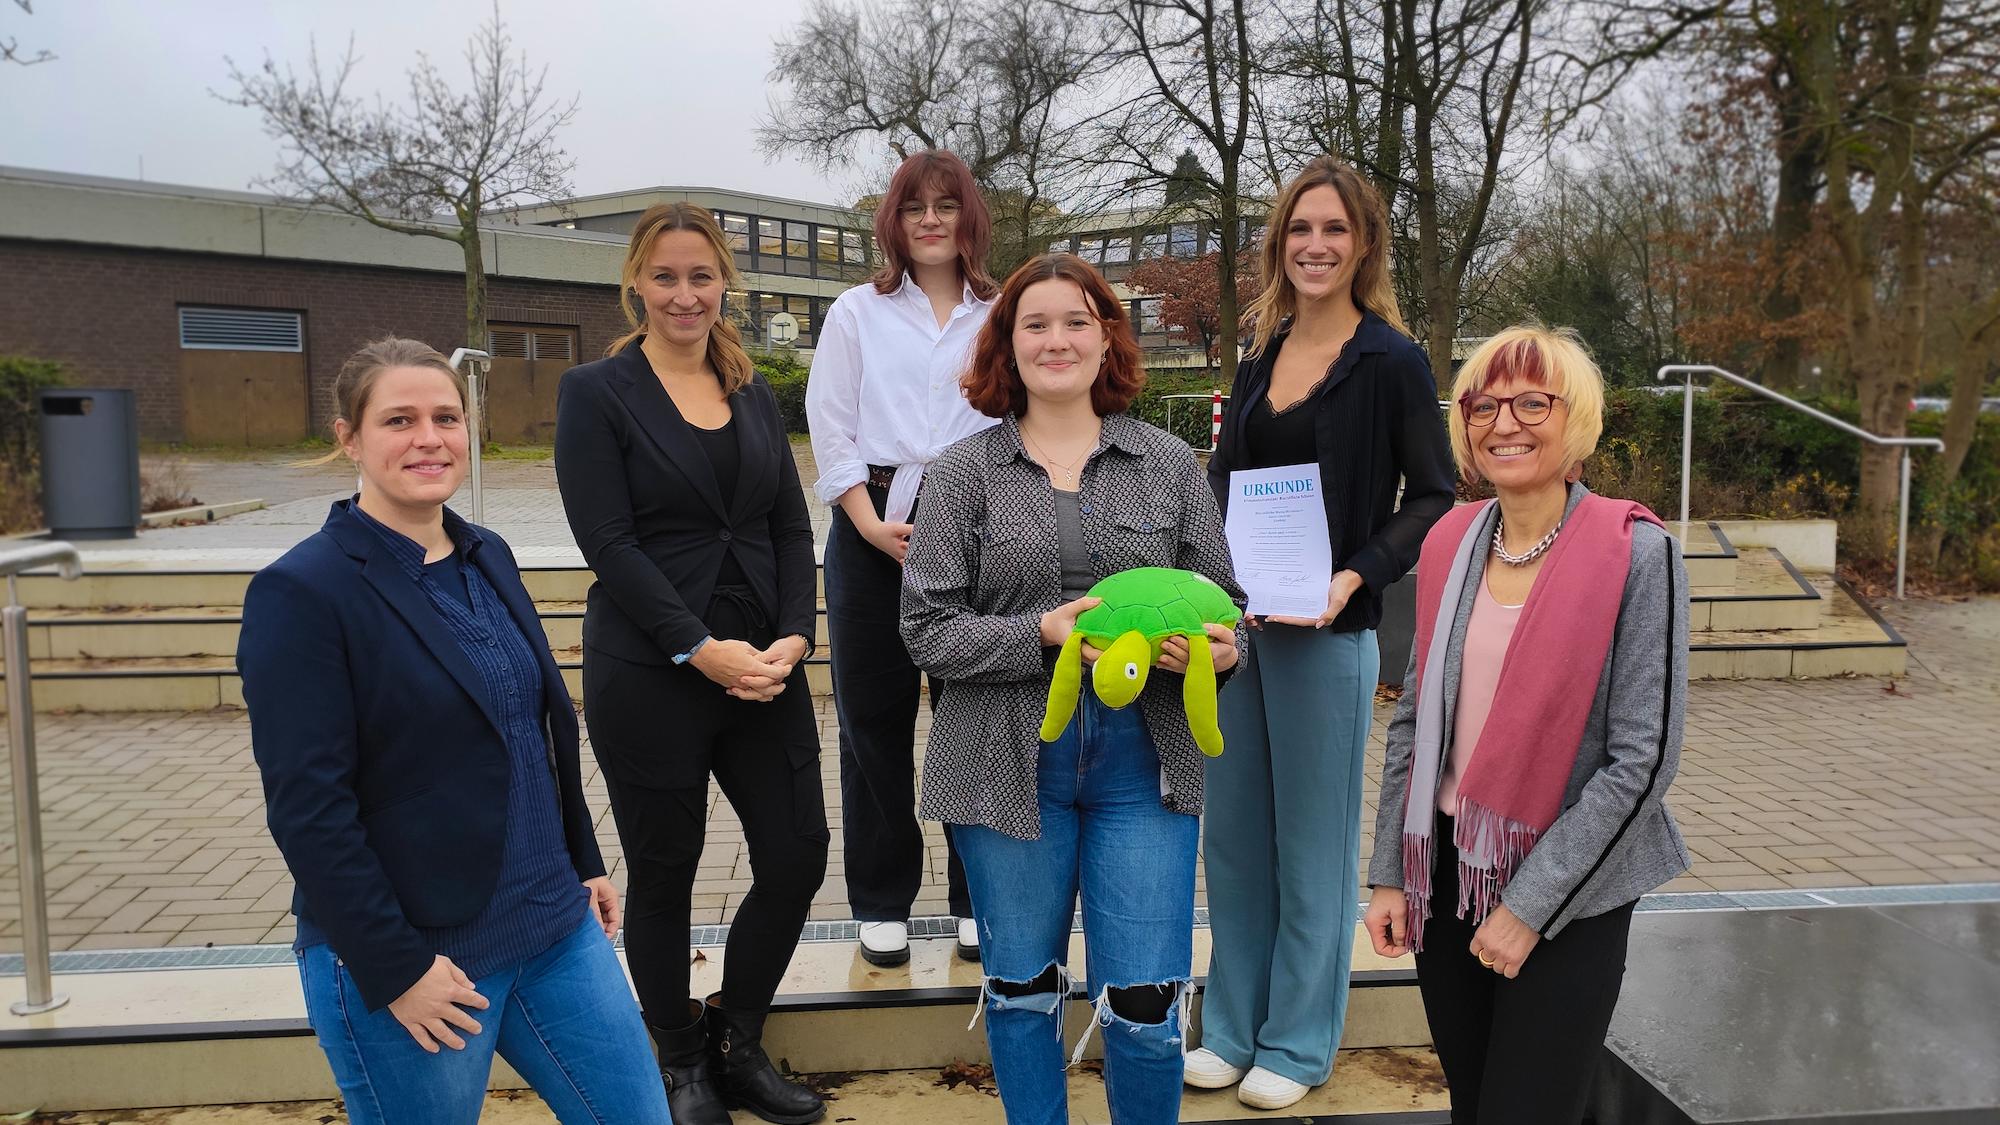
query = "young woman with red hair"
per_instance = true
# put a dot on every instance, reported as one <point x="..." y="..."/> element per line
<point x="1017" y="523"/>
<point x="883" y="401"/>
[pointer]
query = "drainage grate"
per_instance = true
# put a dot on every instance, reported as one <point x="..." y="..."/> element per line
<point x="252" y="956"/>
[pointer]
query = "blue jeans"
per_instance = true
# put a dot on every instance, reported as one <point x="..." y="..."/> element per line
<point x="1106" y="832"/>
<point x="1283" y="849"/>
<point x="564" y="1019"/>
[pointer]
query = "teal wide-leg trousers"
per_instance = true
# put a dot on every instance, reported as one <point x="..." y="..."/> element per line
<point x="1281" y="840"/>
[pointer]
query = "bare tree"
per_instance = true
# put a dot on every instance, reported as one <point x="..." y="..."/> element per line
<point x="1901" y="127"/>
<point x="1187" y="76"/>
<point x="10" y="47"/>
<point x="430" y="165"/>
<point x="998" y="84"/>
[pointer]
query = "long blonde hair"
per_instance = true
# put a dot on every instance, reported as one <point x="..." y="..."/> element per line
<point x="1373" y="289"/>
<point x="725" y="343"/>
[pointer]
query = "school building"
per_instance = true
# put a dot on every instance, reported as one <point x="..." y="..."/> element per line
<point x="229" y="313"/>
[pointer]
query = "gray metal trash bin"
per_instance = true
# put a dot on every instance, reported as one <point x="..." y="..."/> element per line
<point x="90" y="462"/>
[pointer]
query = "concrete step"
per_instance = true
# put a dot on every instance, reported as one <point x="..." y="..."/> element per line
<point x="226" y="1025"/>
<point x="1847" y="638"/>
<point x="1766" y="593"/>
<point x="172" y="631"/>
<point x="200" y="683"/>
<point x="1707" y="552"/>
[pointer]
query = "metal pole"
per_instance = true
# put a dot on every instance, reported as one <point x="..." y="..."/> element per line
<point x="472" y="426"/>
<point x="1687" y="443"/>
<point x="42" y="996"/>
<point x="472" y="361"/>
<point x="1903" y="525"/>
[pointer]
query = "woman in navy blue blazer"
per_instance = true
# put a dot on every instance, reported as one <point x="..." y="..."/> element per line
<point x="419" y="757"/>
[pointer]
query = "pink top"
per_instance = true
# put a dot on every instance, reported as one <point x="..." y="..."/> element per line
<point x="1487" y="635"/>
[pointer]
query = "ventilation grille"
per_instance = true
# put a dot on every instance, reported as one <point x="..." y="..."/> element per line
<point x="519" y="342"/>
<point x="242" y="330"/>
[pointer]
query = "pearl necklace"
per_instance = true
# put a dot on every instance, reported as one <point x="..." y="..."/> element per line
<point x="1528" y="556"/>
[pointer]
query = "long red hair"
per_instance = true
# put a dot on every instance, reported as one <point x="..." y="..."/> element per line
<point x="944" y="173"/>
<point x="993" y="384"/>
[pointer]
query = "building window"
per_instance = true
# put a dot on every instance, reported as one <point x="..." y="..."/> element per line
<point x="242" y="330"/>
<point x="1090" y="250"/>
<point x="1152" y="244"/>
<point x="828" y="244"/>
<point x="798" y="241"/>
<point x="1146" y="314"/>
<point x="1117" y="250"/>
<point x="736" y="230"/>
<point x="852" y="250"/>
<point x="770" y="238"/>
<point x="1181" y="240"/>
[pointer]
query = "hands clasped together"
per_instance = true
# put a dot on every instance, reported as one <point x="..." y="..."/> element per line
<point x="1502" y="942"/>
<point x="748" y="672"/>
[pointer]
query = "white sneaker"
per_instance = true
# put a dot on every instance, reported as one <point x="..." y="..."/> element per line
<point x="1204" y="1070"/>
<point x="968" y="939"/>
<point x="1263" y="1089"/>
<point x="885" y="943"/>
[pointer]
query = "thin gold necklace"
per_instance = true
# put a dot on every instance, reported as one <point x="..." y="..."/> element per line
<point x="1069" y="470"/>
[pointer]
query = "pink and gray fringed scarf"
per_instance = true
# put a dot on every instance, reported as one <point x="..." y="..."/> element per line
<point x="1513" y="788"/>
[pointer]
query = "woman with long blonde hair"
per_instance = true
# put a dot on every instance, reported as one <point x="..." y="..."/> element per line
<point x="681" y="490"/>
<point x="1332" y="381"/>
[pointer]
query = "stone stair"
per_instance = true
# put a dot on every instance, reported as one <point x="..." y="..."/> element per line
<point x="147" y="639"/>
<point x="1754" y="615"/>
<point x="175" y="1027"/>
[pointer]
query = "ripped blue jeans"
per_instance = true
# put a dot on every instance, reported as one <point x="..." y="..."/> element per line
<point x="1107" y="834"/>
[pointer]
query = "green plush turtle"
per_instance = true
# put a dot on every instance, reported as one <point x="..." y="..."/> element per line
<point x="1141" y="609"/>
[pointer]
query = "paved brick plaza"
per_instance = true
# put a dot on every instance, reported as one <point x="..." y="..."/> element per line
<point x="155" y="828"/>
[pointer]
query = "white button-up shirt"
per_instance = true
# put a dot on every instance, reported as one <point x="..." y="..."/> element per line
<point x="884" y="388"/>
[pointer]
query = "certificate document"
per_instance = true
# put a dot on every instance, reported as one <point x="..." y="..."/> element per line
<point x="1277" y="537"/>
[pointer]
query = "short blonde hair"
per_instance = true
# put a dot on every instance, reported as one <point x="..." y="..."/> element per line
<point x="1553" y="359"/>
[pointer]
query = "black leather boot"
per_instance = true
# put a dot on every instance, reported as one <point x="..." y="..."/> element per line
<point x="745" y="1073"/>
<point x="692" y="1095"/>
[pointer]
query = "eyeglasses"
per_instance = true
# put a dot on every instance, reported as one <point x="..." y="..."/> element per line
<point x="946" y="210"/>
<point x="1531" y="409"/>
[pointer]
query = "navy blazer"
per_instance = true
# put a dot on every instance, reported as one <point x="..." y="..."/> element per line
<point x="385" y="770"/>
<point x="646" y="510"/>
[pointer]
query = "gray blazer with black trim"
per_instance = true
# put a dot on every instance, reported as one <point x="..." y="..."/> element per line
<point x="1614" y="839"/>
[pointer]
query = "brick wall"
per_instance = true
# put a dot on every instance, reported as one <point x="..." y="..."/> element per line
<point x="108" y="313"/>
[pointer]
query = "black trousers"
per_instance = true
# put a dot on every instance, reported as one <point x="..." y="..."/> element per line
<point x="1521" y="1051"/>
<point x="659" y="732"/>
<point x="875" y="693"/>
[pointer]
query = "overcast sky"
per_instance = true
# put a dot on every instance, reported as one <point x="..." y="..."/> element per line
<point x="670" y="90"/>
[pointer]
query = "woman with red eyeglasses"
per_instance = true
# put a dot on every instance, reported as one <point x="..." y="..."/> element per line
<point x="1523" y="793"/>
<point x="884" y="401"/>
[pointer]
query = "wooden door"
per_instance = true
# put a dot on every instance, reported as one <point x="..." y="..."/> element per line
<point x="243" y="397"/>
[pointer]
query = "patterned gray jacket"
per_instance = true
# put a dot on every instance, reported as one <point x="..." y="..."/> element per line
<point x="984" y="566"/>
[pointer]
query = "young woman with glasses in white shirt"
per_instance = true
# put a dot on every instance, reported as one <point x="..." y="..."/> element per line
<point x="882" y="402"/>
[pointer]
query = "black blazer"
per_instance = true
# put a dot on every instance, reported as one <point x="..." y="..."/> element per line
<point x="1376" y="422"/>
<point x="385" y="773"/>
<point x="643" y="504"/>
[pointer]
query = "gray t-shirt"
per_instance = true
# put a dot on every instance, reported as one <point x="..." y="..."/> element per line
<point x="1077" y="577"/>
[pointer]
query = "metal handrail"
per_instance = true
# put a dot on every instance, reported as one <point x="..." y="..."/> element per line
<point x="472" y="419"/>
<point x="42" y="996"/>
<point x="1688" y="371"/>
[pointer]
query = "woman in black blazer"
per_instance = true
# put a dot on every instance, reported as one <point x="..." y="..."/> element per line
<point x="680" y="488"/>
<point x="419" y="759"/>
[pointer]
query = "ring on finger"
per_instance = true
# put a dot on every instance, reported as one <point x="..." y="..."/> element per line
<point x="1486" y="961"/>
